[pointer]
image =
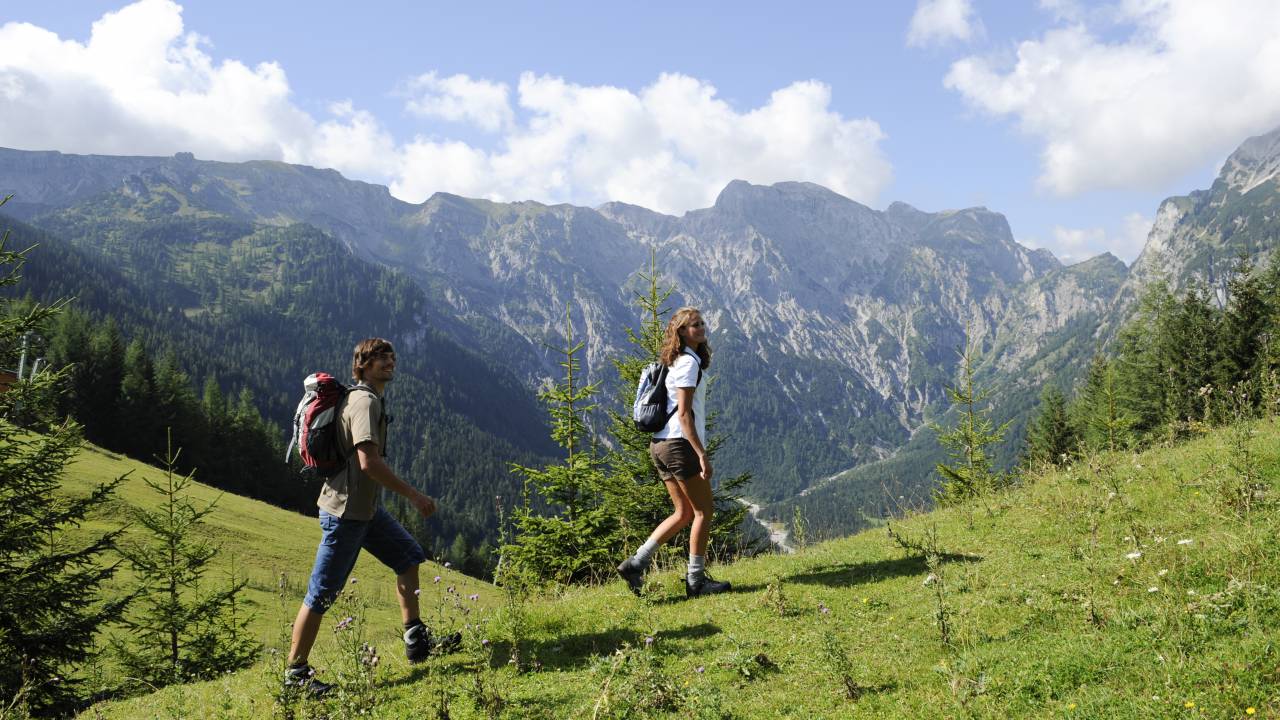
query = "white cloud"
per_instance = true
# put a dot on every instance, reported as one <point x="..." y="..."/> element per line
<point x="460" y="99"/>
<point x="671" y="147"/>
<point x="143" y="84"/>
<point x="1075" y="244"/>
<point x="353" y="141"/>
<point x="1189" y="82"/>
<point x="940" y="21"/>
<point x="1072" y="245"/>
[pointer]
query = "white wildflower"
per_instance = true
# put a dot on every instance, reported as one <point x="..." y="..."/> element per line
<point x="1185" y="541"/>
<point x="1134" y="555"/>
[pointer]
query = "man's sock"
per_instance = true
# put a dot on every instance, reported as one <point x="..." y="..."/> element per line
<point x="412" y="624"/>
<point x="644" y="555"/>
<point x="697" y="565"/>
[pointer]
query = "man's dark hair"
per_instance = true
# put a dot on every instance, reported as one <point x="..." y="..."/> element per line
<point x="364" y="353"/>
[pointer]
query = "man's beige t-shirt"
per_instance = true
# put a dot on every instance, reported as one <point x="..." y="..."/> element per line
<point x="351" y="494"/>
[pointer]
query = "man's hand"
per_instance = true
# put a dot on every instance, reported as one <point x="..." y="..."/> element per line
<point x="424" y="504"/>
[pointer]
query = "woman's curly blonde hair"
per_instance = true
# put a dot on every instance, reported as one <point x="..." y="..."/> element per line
<point x="673" y="344"/>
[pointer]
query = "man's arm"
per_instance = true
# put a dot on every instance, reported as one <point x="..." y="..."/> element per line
<point x="372" y="465"/>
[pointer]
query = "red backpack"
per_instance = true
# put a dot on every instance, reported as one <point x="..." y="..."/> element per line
<point x="315" y="427"/>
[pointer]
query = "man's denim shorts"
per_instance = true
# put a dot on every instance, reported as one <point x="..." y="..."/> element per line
<point x="340" y="544"/>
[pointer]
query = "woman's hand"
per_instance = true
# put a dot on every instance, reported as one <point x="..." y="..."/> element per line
<point x="705" y="462"/>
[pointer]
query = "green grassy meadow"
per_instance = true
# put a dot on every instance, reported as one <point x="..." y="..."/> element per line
<point x="1127" y="586"/>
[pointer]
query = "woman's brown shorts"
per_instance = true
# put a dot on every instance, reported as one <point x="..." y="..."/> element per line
<point x="674" y="459"/>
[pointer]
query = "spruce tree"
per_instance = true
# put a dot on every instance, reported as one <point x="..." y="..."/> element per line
<point x="1052" y="439"/>
<point x="51" y="575"/>
<point x="1194" y="343"/>
<point x="138" y="403"/>
<point x="1244" y="326"/>
<point x="179" y="630"/>
<point x="1105" y="422"/>
<point x="971" y="472"/>
<point x="1142" y="359"/>
<point x="102" y="375"/>
<point x="634" y="494"/>
<point x="564" y="533"/>
<point x="1269" y="360"/>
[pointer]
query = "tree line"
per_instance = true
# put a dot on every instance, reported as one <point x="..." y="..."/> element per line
<point x="1186" y="361"/>
<point x="129" y="402"/>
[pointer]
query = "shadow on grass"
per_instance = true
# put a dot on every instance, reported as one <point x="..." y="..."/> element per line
<point x="861" y="691"/>
<point x="574" y="651"/>
<point x="846" y="574"/>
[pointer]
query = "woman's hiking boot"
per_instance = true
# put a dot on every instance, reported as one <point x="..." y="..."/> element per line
<point x="631" y="571"/>
<point x="419" y="643"/>
<point x="705" y="585"/>
<point x="303" y="678"/>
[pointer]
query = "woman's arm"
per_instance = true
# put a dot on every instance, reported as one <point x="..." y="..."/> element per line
<point x="684" y="413"/>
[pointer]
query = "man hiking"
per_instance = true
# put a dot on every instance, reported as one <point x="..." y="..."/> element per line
<point x="351" y="518"/>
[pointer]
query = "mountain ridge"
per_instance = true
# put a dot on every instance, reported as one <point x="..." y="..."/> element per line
<point x="837" y="325"/>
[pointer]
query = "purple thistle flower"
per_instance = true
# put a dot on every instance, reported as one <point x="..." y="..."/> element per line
<point x="473" y="597"/>
<point x="648" y="641"/>
<point x="436" y="580"/>
<point x="448" y="565"/>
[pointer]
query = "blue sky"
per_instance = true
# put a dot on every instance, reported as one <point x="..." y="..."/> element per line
<point x="1073" y="119"/>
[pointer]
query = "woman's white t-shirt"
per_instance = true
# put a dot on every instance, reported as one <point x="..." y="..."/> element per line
<point x="683" y="373"/>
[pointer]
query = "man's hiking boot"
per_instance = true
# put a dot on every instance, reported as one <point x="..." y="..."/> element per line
<point x="303" y="678"/>
<point x="633" y="574"/>
<point x="419" y="643"/>
<point x="705" y="586"/>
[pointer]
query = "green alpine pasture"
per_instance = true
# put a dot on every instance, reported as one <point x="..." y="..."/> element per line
<point x="1125" y="586"/>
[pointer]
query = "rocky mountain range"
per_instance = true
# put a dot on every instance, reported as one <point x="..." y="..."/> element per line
<point x="836" y="326"/>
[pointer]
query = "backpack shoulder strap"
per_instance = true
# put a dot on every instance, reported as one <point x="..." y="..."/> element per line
<point x="382" y="407"/>
<point x="698" y="361"/>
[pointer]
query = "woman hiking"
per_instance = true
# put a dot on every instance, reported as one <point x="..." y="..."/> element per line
<point x="680" y="455"/>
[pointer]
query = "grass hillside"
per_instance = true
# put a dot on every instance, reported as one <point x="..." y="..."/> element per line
<point x="1127" y="586"/>
<point x="272" y="548"/>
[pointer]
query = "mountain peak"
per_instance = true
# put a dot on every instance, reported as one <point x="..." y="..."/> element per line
<point x="1256" y="161"/>
<point x="739" y="192"/>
